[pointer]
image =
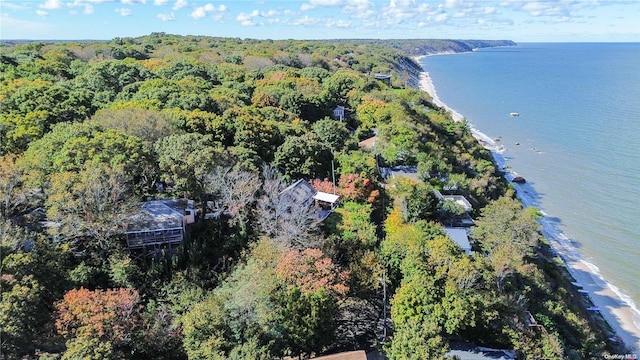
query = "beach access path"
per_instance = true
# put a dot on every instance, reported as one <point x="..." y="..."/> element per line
<point x="615" y="311"/>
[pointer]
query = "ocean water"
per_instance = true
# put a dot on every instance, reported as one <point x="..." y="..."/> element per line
<point x="576" y="141"/>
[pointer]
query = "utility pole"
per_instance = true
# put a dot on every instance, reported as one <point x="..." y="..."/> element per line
<point x="333" y="174"/>
<point x="384" y="306"/>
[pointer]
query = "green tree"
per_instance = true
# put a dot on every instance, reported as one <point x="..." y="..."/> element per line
<point x="22" y="313"/>
<point x="10" y="186"/>
<point x="353" y="230"/>
<point x="508" y="234"/>
<point x="237" y="317"/>
<point x="188" y="161"/>
<point x="305" y="320"/>
<point x="90" y="207"/>
<point x="338" y="86"/>
<point x="331" y="132"/>
<point x="148" y="125"/>
<point x="32" y="275"/>
<point x="205" y="331"/>
<point x="108" y="78"/>
<point x="422" y="203"/>
<point x="68" y="146"/>
<point x="357" y="162"/>
<point x="415" y="340"/>
<point x="303" y="157"/>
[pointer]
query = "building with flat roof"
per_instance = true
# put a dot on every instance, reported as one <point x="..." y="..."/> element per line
<point x="470" y="351"/>
<point x="410" y="171"/>
<point x="458" y="199"/>
<point x="460" y="237"/>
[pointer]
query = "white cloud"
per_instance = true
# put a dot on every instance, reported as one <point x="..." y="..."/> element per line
<point x="179" y="4"/>
<point x="441" y="18"/>
<point x="123" y="11"/>
<point x="325" y="2"/>
<point x="41" y="13"/>
<point x="357" y="5"/>
<point x="247" y="19"/>
<point x="542" y="9"/>
<point x="361" y="9"/>
<point x="52" y="4"/>
<point x="489" y="10"/>
<point x="166" y="17"/>
<point x="86" y="7"/>
<point x="269" y="13"/>
<point x="400" y="10"/>
<point x="452" y="4"/>
<point x="312" y="4"/>
<point x="304" y="21"/>
<point x="203" y="11"/>
<point x="339" y="23"/>
<point x="160" y="2"/>
<point x="199" y="13"/>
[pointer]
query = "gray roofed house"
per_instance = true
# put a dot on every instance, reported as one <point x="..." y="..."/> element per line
<point x="159" y="222"/>
<point x="397" y="171"/>
<point x="459" y="236"/>
<point x="302" y="193"/>
<point x="469" y="351"/>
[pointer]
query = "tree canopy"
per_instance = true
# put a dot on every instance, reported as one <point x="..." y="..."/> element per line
<point x="91" y="130"/>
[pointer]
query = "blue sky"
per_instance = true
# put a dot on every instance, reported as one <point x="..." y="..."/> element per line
<point x="518" y="20"/>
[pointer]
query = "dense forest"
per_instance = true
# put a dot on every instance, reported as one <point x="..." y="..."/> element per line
<point x="90" y="131"/>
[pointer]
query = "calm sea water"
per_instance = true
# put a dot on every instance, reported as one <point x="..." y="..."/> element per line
<point x="578" y="134"/>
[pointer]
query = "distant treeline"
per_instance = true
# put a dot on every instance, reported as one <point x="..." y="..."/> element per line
<point x="417" y="47"/>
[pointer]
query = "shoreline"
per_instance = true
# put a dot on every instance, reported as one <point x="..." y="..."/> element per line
<point x="617" y="309"/>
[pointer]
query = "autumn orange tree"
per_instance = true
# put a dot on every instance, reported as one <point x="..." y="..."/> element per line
<point x="98" y="322"/>
<point x="310" y="270"/>
<point x="307" y="301"/>
<point x="353" y="187"/>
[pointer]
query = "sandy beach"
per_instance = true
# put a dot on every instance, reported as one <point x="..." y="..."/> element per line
<point x="621" y="315"/>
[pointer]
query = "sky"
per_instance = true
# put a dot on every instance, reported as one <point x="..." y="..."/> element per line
<point x="518" y="20"/>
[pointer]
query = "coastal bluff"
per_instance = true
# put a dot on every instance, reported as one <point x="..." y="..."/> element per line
<point x="420" y="47"/>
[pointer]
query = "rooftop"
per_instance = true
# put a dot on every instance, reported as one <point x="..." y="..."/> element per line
<point x="302" y="193"/>
<point x="459" y="236"/>
<point x="396" y="171"/>
<point x="369" y="143"/>
<point x="326" y="197"/>
<point x="458" y="199"/>
<point x="380" y="76"/>
<point x="158" y="214"/>
<point x="349" y="355"/>
<point x="468" y="351"/>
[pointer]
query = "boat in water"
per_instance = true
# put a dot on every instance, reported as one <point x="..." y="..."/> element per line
<point x="514" y="114"/>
